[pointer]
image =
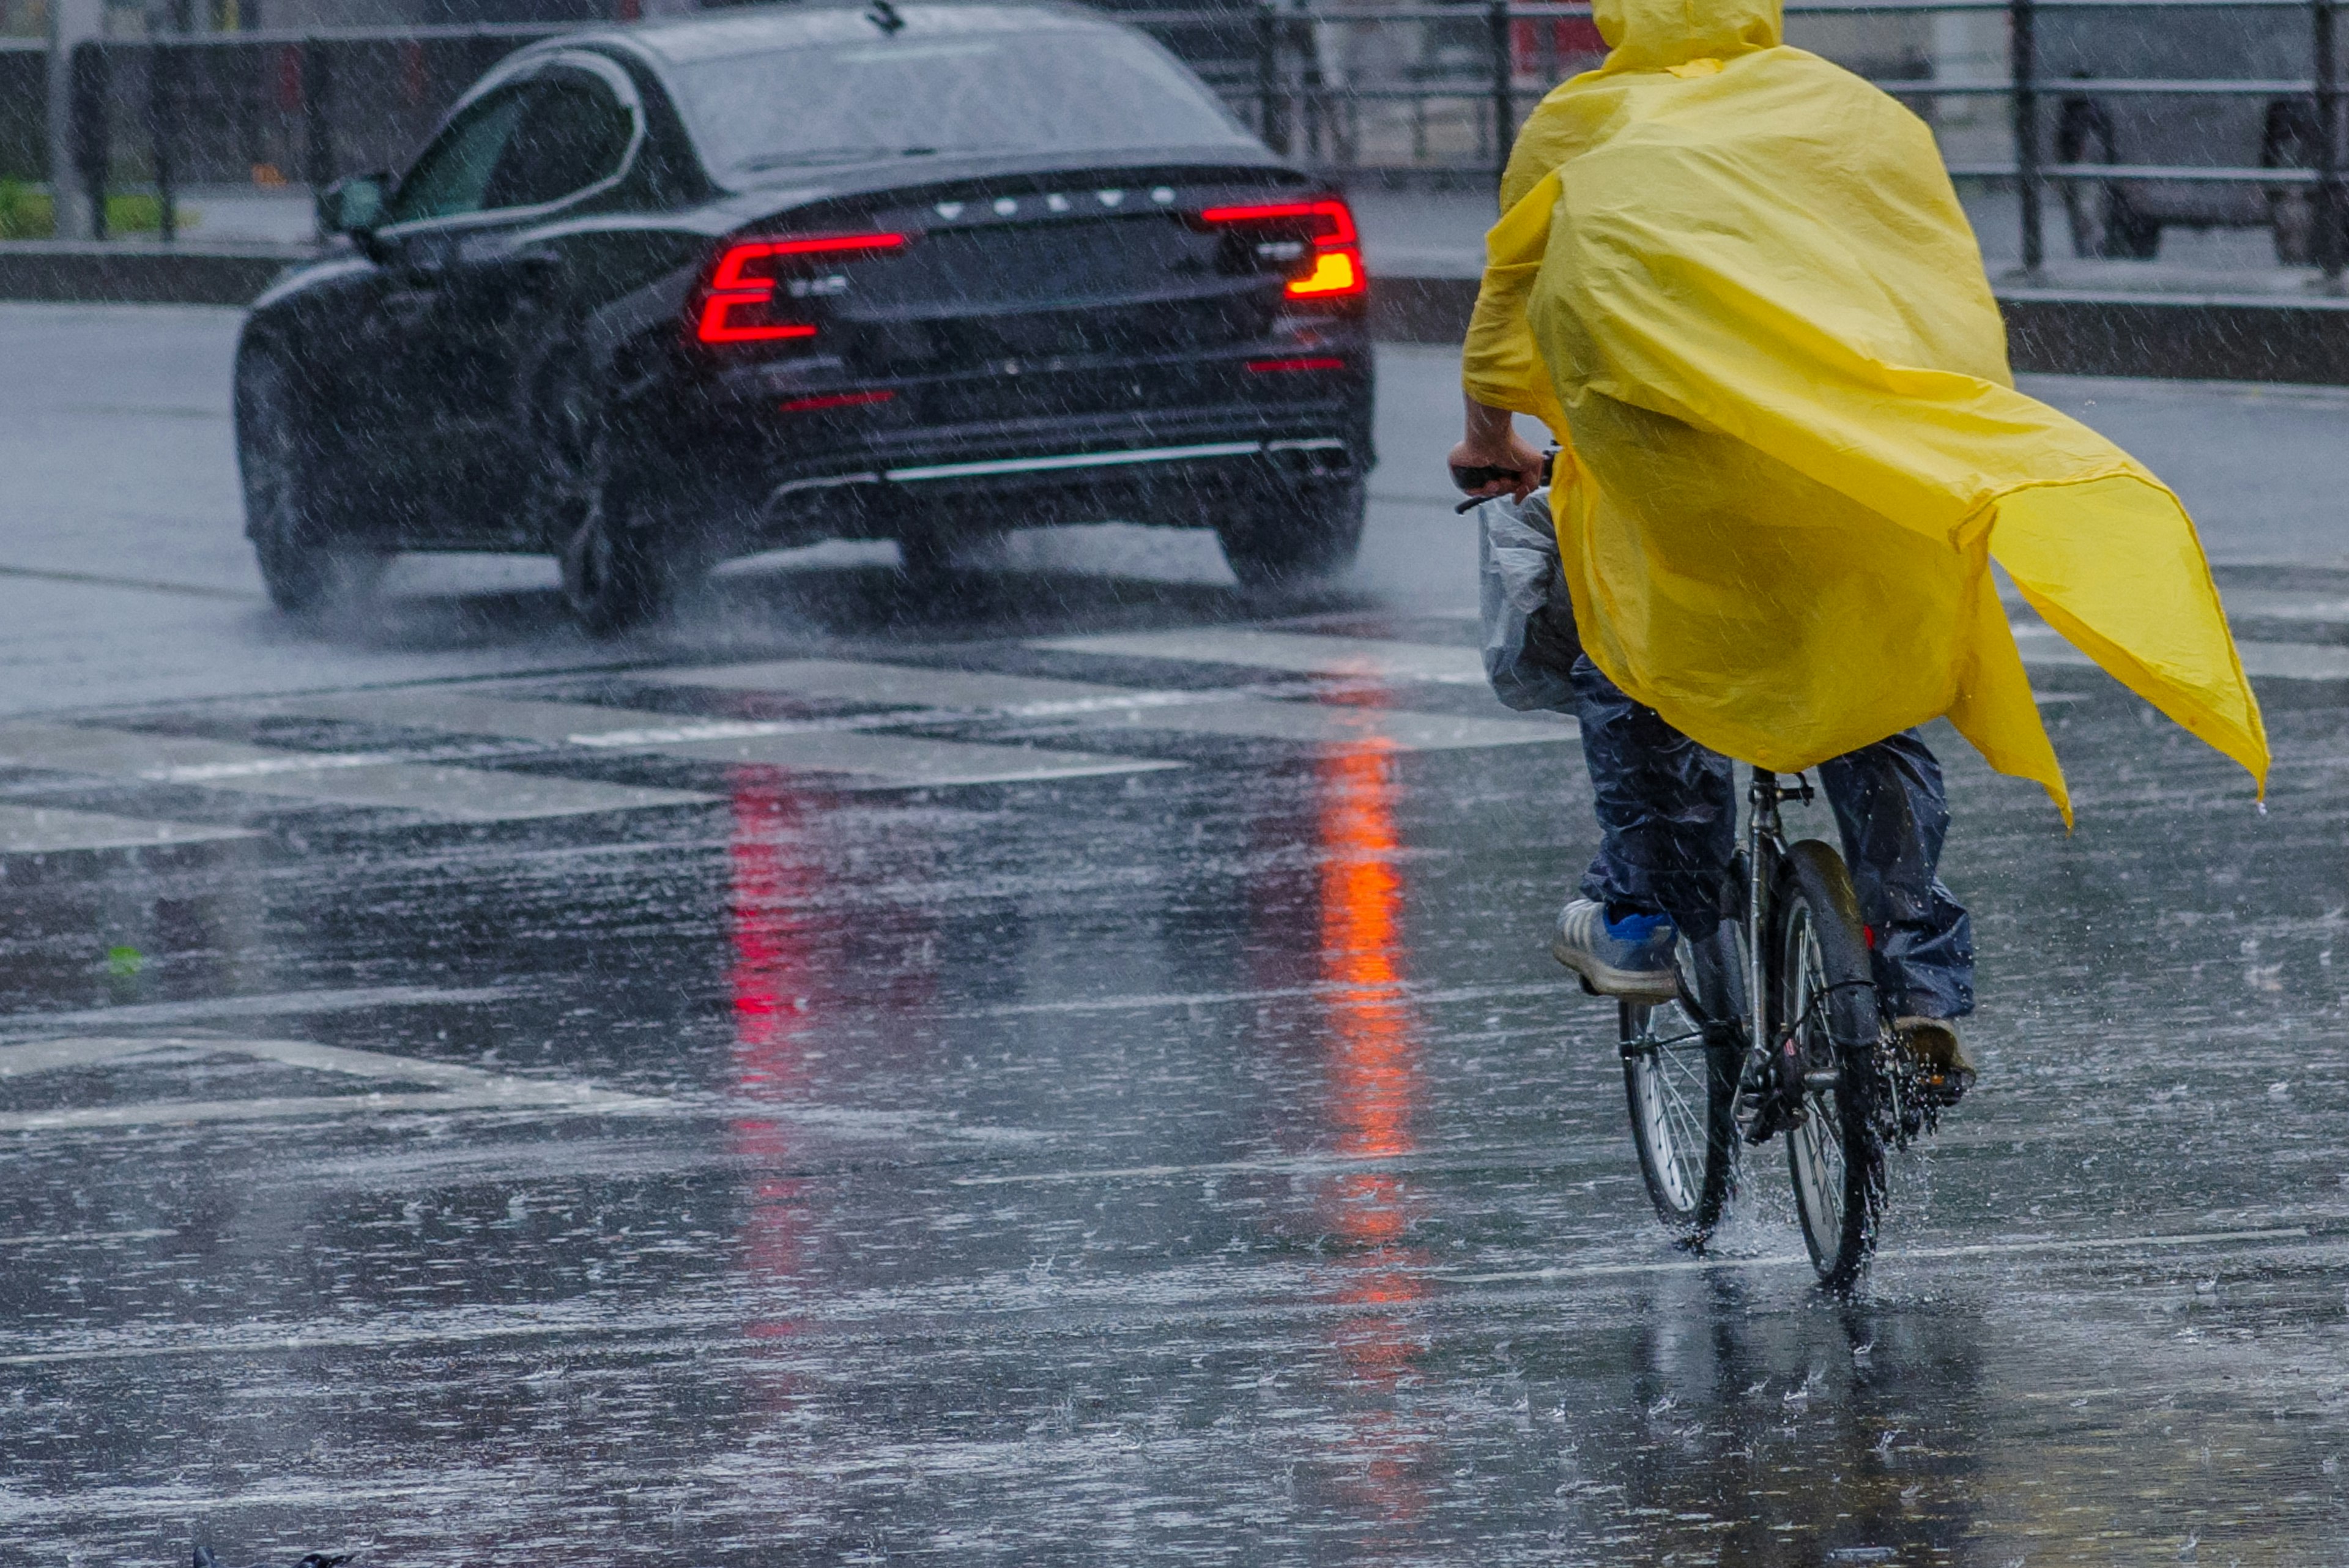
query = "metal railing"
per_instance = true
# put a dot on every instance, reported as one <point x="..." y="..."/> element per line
<point x="272" y="108"/>
<point x="310" y="106"/>
<point x="23" y="134"/>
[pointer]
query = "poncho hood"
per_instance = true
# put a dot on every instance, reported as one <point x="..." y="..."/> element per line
<point x="1657" y="35"/>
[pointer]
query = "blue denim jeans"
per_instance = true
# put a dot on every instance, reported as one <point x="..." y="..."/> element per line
<point x="1668" y="821"/>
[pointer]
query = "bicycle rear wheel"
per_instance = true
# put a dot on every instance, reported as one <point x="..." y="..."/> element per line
<point x="1682" y="1088"/>
<point x="1823" y="998"/>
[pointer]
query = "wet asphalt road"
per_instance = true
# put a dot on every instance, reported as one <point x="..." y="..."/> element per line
<point x="1099" y="1098"/>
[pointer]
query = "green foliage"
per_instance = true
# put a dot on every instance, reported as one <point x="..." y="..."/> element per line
<point x="26" y="213"/>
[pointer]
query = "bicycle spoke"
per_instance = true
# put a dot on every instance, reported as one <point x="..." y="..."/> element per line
<point x="1669" y="1073"/>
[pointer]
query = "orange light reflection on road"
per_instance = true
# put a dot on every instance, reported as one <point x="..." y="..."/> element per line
<point x="1374" y="1087"/>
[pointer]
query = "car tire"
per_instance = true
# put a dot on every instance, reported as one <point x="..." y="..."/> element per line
<point x="932" y="561"/>
<point x="305" y="564"/>
<point x="2105" y="221"/>
<point x="1311" y="533"/>
<point x="611" y="580"/>
<point x="2290" y="140"/>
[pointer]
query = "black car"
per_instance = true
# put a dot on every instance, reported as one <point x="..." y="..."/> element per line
<point x="660" y="295"/>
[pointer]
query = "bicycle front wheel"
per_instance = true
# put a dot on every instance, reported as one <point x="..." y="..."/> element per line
<point x="1683" y="1091"/>
<point x="1823" y="1002"/>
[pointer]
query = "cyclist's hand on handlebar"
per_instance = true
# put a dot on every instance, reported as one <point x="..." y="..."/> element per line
<point x="1510" y="466"/>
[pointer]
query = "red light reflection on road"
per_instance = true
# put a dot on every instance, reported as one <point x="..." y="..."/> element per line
<point x="774" y="979"/>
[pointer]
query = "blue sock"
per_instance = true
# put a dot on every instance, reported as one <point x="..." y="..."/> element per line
<point x="1638" y="928"/>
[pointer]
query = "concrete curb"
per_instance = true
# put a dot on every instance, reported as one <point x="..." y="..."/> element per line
<point x="136" y="271"/>
<point x="2237" y="337"/>
<point x="2241" y="337"/>
<point x="2196" y="338"/>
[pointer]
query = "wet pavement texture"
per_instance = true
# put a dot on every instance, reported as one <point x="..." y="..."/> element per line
<point x="1072" y="1075"/>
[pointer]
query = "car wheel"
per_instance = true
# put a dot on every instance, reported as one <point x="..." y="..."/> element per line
<point x="2290" y="140"/>
<point x="304" y="563"/>
<point x="931" y="560"/>
<point x="1310" y="533"/>
<point x="2106" y="224"/>
<point x="612" y="577"/>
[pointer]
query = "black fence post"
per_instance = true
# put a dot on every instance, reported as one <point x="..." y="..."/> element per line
<point x="1271" y="120"/>
<point x="163" y="127"/>
<point x="2022" y="20"/>
<point x="92" y="149"/>
<point x="1313" y="100"/>
<point x="2330" y="211"/>
<point x="318" y="108"/>
<point x="1505" y="97"/>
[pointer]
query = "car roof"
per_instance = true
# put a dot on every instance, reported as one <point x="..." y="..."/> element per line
<point x="753" y="29"/>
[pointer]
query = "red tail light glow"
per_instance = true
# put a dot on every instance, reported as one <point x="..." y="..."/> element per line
<point x="832" y="401"/>
<point x="1308" y="362"/>
<point x="1335" y="272"/>
<point x="736" y="302"/>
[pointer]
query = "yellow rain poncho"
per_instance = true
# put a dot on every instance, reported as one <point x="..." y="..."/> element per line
<point x="1735" y="282"/>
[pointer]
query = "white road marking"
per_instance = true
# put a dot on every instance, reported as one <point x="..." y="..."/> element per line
<point x="2285" y="604"/>
<point x="1404" y="992"/>
<point x="887" y="762"/>
<point x="457" y="794"/>
<point x="1906" y="1254"/>
<point x="878" y="761"/>
<point x="40" y="829"/>
<point x="61" y="1237"/>
<point x="2041" y="644"/>
<point x="265" y="1004"/>
<point x="903" y="685"/>
<point x="1364" y="656"/>
<point x="455" y="1087"/>
<point x="1207" y="712"/>
<point x="1327" y="723"/>
<point x="848" y="745"/>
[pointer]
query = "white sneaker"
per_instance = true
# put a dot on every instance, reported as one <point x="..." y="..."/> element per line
<point x="1636" y="966"/>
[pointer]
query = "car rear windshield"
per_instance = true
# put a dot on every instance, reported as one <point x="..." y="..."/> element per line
<point x="1074" y="90"/>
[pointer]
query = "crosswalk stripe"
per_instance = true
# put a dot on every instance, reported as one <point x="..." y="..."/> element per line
<point x="456" y="795"/>
<point x="450" y="1086"/>
<point x="883" y="762"/>
<point x="1322" y="723"/>
<point x="888" y="685"/>
<point x="448" y="711"/>
<point x="1303" y="653"/>
<point x="41" y="829"/>
<point x="1122" y="707"/>
<point x="2043" y="645"/>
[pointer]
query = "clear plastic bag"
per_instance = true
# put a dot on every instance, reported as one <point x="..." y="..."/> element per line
<point x="1529" y="645"/>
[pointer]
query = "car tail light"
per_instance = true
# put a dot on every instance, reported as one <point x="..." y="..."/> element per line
<point x="1318" y="236"/>
<point x="820" y="400"/>
<point x="1300" y="362"/>
<point x="738" y="303"/>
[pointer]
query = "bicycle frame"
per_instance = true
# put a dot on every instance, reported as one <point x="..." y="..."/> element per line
<point x="1765" y="843"/>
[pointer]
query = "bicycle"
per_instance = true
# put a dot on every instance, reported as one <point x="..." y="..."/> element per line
<point x="1785" y="1035"/>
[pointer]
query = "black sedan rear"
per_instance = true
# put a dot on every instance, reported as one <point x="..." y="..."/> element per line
<point x="658" y="295"/>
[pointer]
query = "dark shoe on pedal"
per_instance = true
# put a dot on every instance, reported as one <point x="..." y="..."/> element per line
<point x="1630" y="958"/>
<point x="1944" y="1071"/>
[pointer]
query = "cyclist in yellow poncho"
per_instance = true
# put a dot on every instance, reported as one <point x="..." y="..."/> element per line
<point x="1734" y="281"/>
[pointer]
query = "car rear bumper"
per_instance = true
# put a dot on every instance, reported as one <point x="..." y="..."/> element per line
<point x="765" y="477"/>
<point x="1184" y="484"/>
